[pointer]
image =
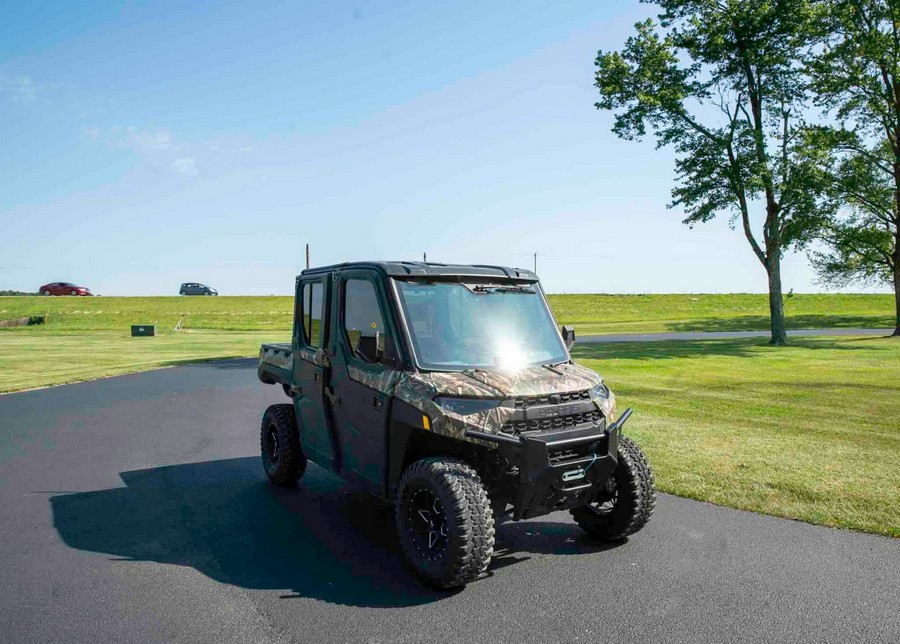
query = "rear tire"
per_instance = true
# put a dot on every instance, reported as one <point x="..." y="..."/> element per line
<point x="47" y="293"/>
<point x="615" y="514"/>
<point x="445" y="522"/>
<point x="282" y="454"/>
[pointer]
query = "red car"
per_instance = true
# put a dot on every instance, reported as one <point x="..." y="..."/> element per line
<point x="63" y="288"/>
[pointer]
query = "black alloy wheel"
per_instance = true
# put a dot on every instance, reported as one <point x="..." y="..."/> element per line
<point x="428" y="523"/>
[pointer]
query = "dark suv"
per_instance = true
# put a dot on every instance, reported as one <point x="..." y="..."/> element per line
<point x="449" y="391"/>
<point x="193" y="288"/>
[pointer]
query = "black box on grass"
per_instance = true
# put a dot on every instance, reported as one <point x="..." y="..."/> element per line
<point x="143" y="329"/>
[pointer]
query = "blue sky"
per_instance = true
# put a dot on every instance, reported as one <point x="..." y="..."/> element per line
<point x="147" y="144"/>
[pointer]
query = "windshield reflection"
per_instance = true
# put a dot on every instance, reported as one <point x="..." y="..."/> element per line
<point x="457" y="326"/>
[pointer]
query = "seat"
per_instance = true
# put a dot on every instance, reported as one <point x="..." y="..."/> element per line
<point x="367" y="347"/>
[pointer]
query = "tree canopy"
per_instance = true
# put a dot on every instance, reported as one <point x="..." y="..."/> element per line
<point x="854" y="69"/>
<point x="720" y="82"/>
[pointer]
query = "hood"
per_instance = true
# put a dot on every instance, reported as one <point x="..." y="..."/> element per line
<point x="420" y="389"/>
<point x="532" y="381"/>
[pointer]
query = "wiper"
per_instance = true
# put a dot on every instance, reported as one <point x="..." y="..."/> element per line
<point x="553" y="366"/>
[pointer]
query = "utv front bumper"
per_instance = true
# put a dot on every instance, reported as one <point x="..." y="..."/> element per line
<point x="559" y="470"/>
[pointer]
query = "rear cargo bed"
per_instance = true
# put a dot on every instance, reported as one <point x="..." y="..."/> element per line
<point x="276" y="364"/>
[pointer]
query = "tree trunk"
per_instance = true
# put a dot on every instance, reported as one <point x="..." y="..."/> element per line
<point x="897" y="299"/>
<point x="897" y="281"/>
<point x="896" y="258"/>
<point x="776" y="302"/>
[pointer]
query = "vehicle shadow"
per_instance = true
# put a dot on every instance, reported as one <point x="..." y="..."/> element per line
<point x="322" y="540"/>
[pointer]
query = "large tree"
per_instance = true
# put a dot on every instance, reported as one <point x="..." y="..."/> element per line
<point x="718" y="80"/>
<point x="855" y="71"/>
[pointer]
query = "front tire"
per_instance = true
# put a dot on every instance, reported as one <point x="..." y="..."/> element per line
<point x="282" y="454"/>
<point x="627" y="505"/>
<point x="445" y="522"/>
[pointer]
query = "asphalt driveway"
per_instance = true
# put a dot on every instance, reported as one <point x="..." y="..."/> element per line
<point x="135" y="509"/>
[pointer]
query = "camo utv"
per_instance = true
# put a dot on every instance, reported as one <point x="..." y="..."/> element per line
<point x="449" y="391"/>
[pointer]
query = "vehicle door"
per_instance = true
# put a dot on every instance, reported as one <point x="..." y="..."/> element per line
<point x="362" y="378"/>
<point x="310" y="370"/>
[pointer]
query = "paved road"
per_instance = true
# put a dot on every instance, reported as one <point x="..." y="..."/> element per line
<point x="718" y="335"/>
<point x="134" y="509"/>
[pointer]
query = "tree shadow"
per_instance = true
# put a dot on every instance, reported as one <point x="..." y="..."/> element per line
<point x="672" y="349"/>
<point x="323" y="540"/>
<point x="761" y="322"/>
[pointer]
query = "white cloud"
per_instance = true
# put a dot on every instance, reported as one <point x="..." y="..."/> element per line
<point x="159" y="139"/>
<point x="186" y="166"/>
<point x="91" y="132"/>
<point x="19" y="88"/>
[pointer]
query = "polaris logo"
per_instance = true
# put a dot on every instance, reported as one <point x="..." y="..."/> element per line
<point x="560" y="410"/>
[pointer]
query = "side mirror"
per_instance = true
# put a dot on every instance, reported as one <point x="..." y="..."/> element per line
<point x="568" y="336"/>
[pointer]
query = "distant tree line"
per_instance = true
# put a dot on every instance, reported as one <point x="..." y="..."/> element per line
<point x="2" y="293"/>
<point x="784" y="112"/>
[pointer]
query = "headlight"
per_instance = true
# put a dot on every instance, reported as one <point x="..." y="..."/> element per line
<point x="466" y="406"/>
<point x="605" y="399"/>
<point x="600" y="391"/>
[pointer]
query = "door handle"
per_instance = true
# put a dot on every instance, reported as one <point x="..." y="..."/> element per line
<point x="315" y="376"/>
<point x="377" y="402"/>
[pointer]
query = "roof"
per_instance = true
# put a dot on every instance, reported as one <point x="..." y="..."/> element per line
<point x="433" y="270"/>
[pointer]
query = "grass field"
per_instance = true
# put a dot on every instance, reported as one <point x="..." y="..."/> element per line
<point x="810" y="431"/>
<point x="589" y="313"/>
<point x="38" y="356"/>
<point x="87" y="337"/>
<point x="599" y="314"/>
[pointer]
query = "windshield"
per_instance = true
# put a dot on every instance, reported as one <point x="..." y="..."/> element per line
<point x="489" y="326"/>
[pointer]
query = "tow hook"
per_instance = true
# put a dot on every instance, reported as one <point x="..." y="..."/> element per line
<point x="573" y="475"/>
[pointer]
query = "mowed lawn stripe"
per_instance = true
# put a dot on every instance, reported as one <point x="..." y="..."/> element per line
<point x="810" y="431"/>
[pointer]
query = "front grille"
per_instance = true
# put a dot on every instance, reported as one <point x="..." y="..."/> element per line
<point x="552" y="399"/>
<point x="563" y="455"/>
<point x="544" y="424"/>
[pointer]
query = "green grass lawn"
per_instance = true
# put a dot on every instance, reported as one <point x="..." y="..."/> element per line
<point x="588" y="313"/>
<point x="119" y="313"/>
<point x="810" y="431"/>
<point x="39" y="356"/>
<point x="599" y="314"/>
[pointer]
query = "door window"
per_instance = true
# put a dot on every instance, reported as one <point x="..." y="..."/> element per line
<point x="362" y="322"/>
<point x="312" y="314"/>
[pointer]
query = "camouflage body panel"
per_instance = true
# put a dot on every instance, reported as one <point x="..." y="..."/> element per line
<point x="382" y="381"/>
<point x="538" y="381"/>
<point x="420" y="389"/>
<point x="310" y="355"/>
<point x="277" y="355"/>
